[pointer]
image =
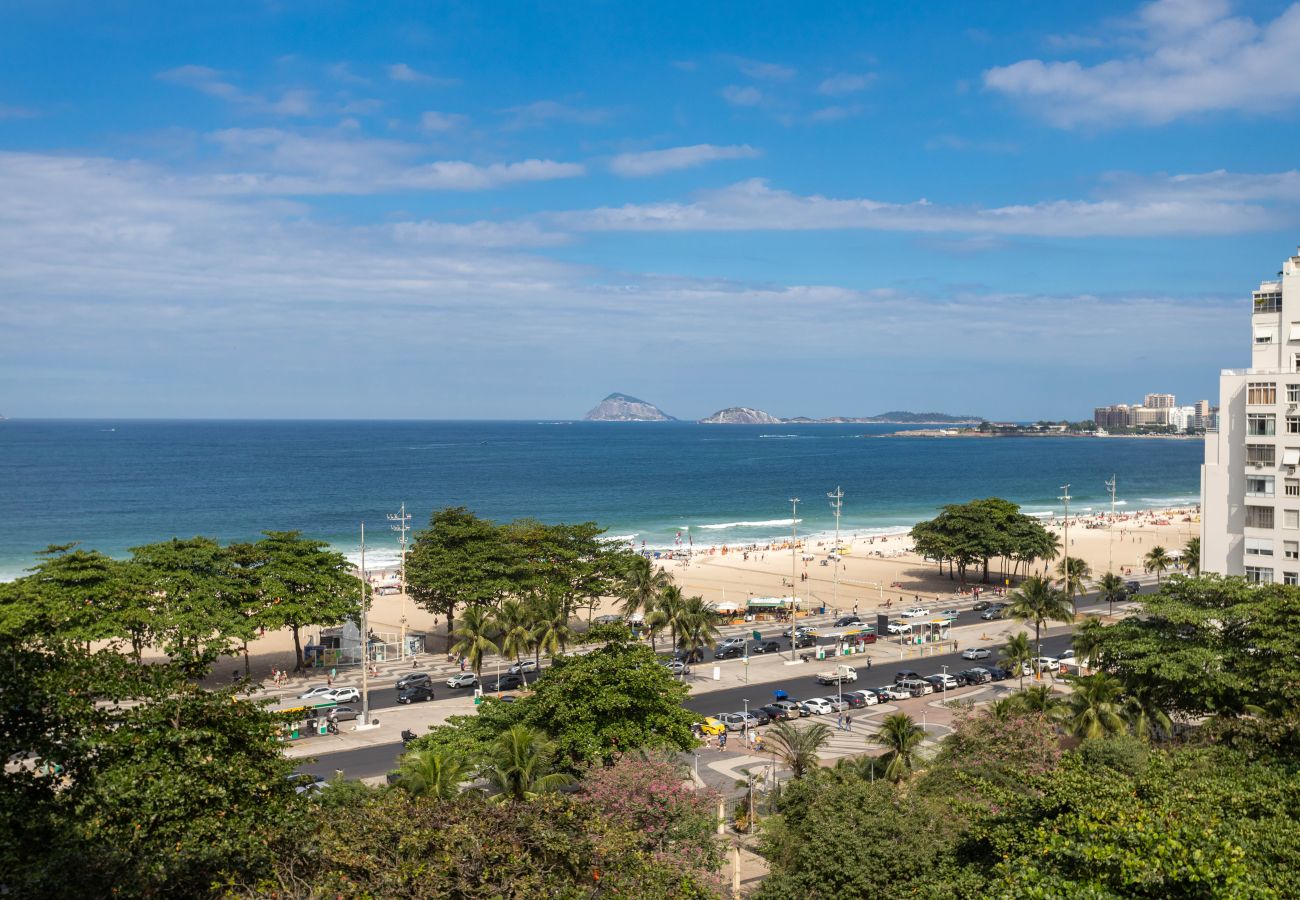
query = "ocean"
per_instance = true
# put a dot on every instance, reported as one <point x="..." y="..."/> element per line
<point x="112" y="485"/>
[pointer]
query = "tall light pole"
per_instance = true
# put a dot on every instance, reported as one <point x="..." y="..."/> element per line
<point x="365" y="638"/>
<point x="794" y="566"/>
<point x="837" y="502"/>
<point x="1110" y="550"/>
<point x="403" y="525"/>
<point x="1065" y="497"/>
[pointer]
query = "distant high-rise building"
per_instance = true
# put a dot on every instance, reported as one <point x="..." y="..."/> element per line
<point x="1159" y="401"/>
<point x="1250" y="483"/>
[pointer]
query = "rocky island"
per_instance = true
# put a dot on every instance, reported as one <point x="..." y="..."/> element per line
<point x="743" y="415"/>
<point x="740" y="415"/>
<point x="624" y="408"/>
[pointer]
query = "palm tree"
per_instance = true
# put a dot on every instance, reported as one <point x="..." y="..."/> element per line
<point x="902" y="738"/>
<point x="1038" y="602"/>
<point x="1093" y="709"/>
<point x="1016" y="652"/>
<point x="1111" y="588"/>
<point x="1192" y="555"/>
<point x="797" y="748"/>
<point x="473" y="639"/>
<point x="432" y="773"/>
<point x="656" y="620"/>
<point x="1074" y="578"/>
<point x="669" y="606"/>
<point x="514" y="625"/>
<point x="551" y="631"/>
<point x="1157" y="560"/>
<point x="696" y="627"/>
<point x="1146" y="720"/>
<point x="1088" y="641"/>
<point x="1004" y="708"/>
<point x="1051" y="550"/>
<point x="642" y="586"/>
<point x="520" y="764"/>
<point x="1038" y="698"/>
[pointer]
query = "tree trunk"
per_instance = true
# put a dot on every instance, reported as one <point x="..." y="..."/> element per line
<point x="297" y="649"/>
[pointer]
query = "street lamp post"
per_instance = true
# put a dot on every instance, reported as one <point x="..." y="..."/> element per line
<point x="794" y="566"/>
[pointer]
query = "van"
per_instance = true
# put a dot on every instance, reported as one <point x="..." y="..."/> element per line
<point x="915" y="686"/>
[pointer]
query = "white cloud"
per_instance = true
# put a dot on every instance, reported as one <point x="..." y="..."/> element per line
<point x="1210" y="204"/>
<point x="742" y="96"/>
<point x="766" y="71"/>
<point x="16" y="112"/>
<point x="442" y="122"/>
<point x="836" y="113"/>
<point x="543" y="112"/>
<point x="653" y="162"/>
<point x="1194" y="58"/>
<point x="292" y="102"/>
<point x="845" y="84"/>
<point x="403" y="72"/>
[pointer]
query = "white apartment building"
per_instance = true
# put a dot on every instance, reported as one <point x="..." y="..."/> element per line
<point x="1250" y="483"/>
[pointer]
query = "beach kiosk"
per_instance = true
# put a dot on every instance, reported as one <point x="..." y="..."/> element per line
<point x="778" y="607"/>
<point x="727" y="609"/>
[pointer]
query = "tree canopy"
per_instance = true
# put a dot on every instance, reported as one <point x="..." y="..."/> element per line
<point x="969" y="534"/>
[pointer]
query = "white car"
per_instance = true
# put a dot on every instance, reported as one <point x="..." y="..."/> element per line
<point x="528" y="667"/>
<point x="975" y="653"/>
<point x="1066" y="654"/>
<point x="342" y="695"/>
<point x="1049" y="664"/>
<point x="818" y="707"/>
<point x="916" y="612"/>
<point x="319" y="690"/>
<point x="890" y="692"/>
<point x="869" y="697"/>
<point x="462" y="680"/>
<point x="899" y="628"/>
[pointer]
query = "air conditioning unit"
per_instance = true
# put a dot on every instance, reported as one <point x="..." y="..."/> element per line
<point x="1258" y="465"/>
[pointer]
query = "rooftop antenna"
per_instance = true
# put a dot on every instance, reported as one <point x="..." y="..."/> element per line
<point x="403" y="520"/>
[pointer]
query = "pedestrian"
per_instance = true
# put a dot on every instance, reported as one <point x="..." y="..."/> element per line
<point x="329" y="678"/>
<point x="722" y="741"/>
<point x="334" y="673"/>
<point x="839" y="722"/>
<point x="848" y="723"/>
<point x="462" y="664"/>
<point x="868" y="663"/>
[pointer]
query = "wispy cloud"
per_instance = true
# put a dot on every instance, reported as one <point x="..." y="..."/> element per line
<point x="765" y="70"/>
<point x="404" y="73"/>
<point x="845" y="83"/>
<point x="442" y="122"/>
<point x="654" y="162"/>
<point x="543" y="112"/>
<point x="956" y="142"/>
<point x="1194" y="58"/>
<point x="738" y="95"/>
<point x="214" y="83"/>
<point x="1204" y="204"/>
<point x="16" y="112"/>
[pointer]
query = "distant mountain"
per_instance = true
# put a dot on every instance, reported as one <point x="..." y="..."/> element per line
<point x="623" y="408"/>
<point x="740" y="415"/>
<point x="743" y="415"/>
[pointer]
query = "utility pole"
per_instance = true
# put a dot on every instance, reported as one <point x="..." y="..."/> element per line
<point x="837" y="503"/>
<point x="1110" y="550"/>
<point x="794" y="566"/>
<point x="1065" y="496"/>
<point x="365" y="638"/>
<point x="403" y="525"/>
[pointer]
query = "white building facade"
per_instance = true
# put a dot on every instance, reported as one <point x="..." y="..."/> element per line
<point x="1250" y="483"/>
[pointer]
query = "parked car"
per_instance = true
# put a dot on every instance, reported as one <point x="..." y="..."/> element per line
<point x="916" y="687"/>
<point x="508" y="681"/>
<point x="319" y="690"/>
<point x="416" y="693"/>
<point x="997" y="673"/>
<point x="976" y="675"/>
<point x="853" y="699"/>
<point x="836" y="704"/>
<point x="903" y="674"/>
<point x="1067" y="654"/>
<point x="868" y="697"/>
<point x="777" y="713"/>
<point x="899" y="628"/>
<point x="817" y="706"/>
<point x="916" y="612"/>
<point x="766" y="647"/>
<point x="805" y="640"/>
<point x="975" y="653"/>
<point x="344" y="713"/>
<point x="413" y="678"/>
<point x="1132" y="587"/>
<point x="729" y="652"/>
<point x="793" y="707"/>
<point x="892" y="692"/>
<point x="524" y="667"/>
<point x="1049" y="664"/>
<point x="733" y="641"/>
<point x="845" y="621"/>
<point x="711" y="726"/>
<point x="342" y="695"/>
<point x="943" y="682"/>
<point x="676" y="666"/>
<point x="462" y="680"/>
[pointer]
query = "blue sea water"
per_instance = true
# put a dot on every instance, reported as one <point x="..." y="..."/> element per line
<point x="115" y="484"/>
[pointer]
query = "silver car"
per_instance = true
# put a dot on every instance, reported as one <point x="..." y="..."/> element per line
<point x="836" y="704"/>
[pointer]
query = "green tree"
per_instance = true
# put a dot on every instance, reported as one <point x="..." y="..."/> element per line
<point x="460" y="560"/>
<point x="1093" y="709"/>
<point x="1016" y="654"/>
<point x="1158" y="561"/>
<point x="475" y="638"/>
<point x="671" y="608"/>
<point x="1145" y="718"/>
<point x="798" y="749"/>
<point x="696" y="627"/>
<point x="1111" y="587"/>
<point x="573" y="563"/>
<point x="901" y="737"/>
<point x="1074" y="580"/>
<point x="1038" y="602"/>
<point x="513" y="624"/>
<point x="1192" y="555"/>
<point x="641" y="587"/>
<point x="974" y="533"/>
<point x="302" y="583"/>
<point x="432" y="773"/>
<point x="519" y="765"/>
<point x="551" y="630"/>
<point x="1038" y="698"/>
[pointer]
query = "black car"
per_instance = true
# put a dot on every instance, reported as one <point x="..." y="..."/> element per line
<point x="1132" y="587"/>
<point x="981" y="604"/>
<point x="844" y="621"/>
<point x="764" y="718"/>
<point x="904" y="675"/>
<point x="776" y="713"/>
<point x="508" y="681"/>
<point x="729" y="652"/>
<point x="416" y="693"/>
<point x="974" y="676"/>
<point x="997" y="673"/>
<point x="853" y="700"/>
<point x="766" y="647"/>
<point x="414" y="678"/>
<point x="804" y="639"/>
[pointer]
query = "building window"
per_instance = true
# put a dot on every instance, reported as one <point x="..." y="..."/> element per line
<point x="1259" y="485"/>
<point x="1259" y="574"/>
<point x="1293" y="424"/>
<point x="1259" y="516"/>
<point x="1293" y="392"/>
<point x="1290" y="578"/>
<point x="1291" y="518"/>
<point x="1259" y="454"/>
<point x="1292" y="486"/>
<point x="1259" y="547"/>
<point x="1261" y="425"/>
<point x="1268" y="301"/>
<point x="1260" y="393"/>
<point x="1291" y="549"/>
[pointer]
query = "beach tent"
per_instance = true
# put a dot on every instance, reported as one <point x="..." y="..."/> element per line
<point x="726" y="606"/>
<point x="770" y="602"/>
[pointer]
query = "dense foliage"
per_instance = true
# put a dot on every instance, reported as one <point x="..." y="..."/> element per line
<point x="972" y="534"/>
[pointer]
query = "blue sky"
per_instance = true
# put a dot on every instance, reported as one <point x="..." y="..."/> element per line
<point x="508" y="210"/>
